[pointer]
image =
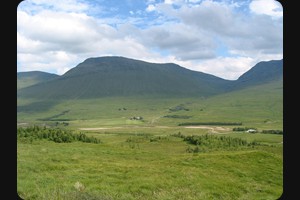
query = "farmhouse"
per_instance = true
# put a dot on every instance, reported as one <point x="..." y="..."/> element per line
<point x="251" y="131"/>
<point x="136" y="118"/>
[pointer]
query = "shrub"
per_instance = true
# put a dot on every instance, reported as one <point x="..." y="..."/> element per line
<point x="54" y="134"/>
<point x="273" y="131"/>
<point x="211" y="142"/>
<point x="210" y="123"/>
<point x="243" y="128"/>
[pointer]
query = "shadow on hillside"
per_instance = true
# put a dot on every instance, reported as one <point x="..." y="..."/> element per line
<point x="39" y="106"/>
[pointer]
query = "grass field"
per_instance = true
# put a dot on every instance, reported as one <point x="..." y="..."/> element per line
<point x="140" y="159"/>
<point x="130" y="166"/>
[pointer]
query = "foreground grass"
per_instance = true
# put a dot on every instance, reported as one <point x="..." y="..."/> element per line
<point x="130" y="166"/>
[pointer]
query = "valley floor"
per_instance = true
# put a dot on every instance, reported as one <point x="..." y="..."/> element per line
<point x="154" y="158"/>
<point x="150" y="163"/>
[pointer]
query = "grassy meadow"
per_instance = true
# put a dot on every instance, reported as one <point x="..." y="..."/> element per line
<point x="142" y="159"/>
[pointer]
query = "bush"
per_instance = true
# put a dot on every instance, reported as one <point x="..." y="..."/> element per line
<point x="56" y="135"/>
<point x="178" y="135"/>
<point x="158" y="138"/>
<point x="212" y="142"/>
<point x="210" y="123"/>
<point x="273" y="131"/>
<point x="177" y="116"/>
<point x="242" y="128"/>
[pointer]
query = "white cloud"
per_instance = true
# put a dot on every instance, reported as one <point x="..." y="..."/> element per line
<point x="268" y="7"/>
<point x="23" y="44"/>
<point x="179" y="40"/>
<point x="57" y="27"/>
<point x="169" y="1"/>
<point x="209" y="15"/>
<point x="226" y="67"/>
<point x="150" y="8"/>
<point x="243" y="35"/>
<point x="54" y="61"/>
<point x="58" y="41"/>
<point x="230" y="68"/>
<point x="58" y="35"/>
<point x="176" y="2"/>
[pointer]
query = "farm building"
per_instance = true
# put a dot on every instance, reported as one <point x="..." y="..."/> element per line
<point x="251" y="131"/>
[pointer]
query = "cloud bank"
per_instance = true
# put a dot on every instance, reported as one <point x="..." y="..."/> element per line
<point x="223" y="38"/>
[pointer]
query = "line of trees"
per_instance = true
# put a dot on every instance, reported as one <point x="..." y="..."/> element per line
<point x="208" y="142"/>
<point x="280" y="132"/>
<point x="177" y="116"/>
<point x="53" y="134"/>
<point x="210" y="123"/>
<point x="242" y="128"/>
<point x="273" y="131"/>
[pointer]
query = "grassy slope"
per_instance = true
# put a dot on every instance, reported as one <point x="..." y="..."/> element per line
<point x="26" y="82"/>
<point x="116" y="76"/>
<point x="117" y="169"/>
<point x="260" y="106"/>
<point x="26" y="79"/>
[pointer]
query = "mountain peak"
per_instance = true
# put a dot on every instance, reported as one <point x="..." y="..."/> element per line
<point x="120" y="76"/>
<point x="263" y="71"/>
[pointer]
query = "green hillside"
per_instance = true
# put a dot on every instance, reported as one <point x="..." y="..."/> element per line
<point x="124" y="77"/>
<point x="26" y="79"/>
<point x="261" y="105"/>
<point x="111" y="90"/>
<point x="118" y="76"/>
<point x="258" y="105"/>
<point x="262" y="72"/>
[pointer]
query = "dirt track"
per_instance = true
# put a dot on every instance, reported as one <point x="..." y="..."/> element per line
<point x="213" y="129"/>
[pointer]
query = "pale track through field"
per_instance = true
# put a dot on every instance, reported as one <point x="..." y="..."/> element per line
<point x="213" y="129"/>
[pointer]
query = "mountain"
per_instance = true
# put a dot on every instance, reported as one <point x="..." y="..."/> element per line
<point x="119" y="76"/>
<point x="25" y="79"/>
<point x="262" y="72"/>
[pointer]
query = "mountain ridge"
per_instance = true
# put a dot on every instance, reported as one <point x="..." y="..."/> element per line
<point x="120" y="76"/>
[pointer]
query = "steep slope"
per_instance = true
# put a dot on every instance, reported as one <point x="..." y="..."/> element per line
<point x="119" y="76"/>
<point x="26" y="79"/>
<point x="262" y="72"/>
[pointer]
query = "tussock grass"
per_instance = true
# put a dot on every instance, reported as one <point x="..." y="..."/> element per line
<point x="158" y="169"/>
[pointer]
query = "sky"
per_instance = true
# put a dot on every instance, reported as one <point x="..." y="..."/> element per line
<point x="224" y="38"/>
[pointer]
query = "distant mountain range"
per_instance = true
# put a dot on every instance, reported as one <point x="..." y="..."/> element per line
<point x="120" y="76"/>
<point x="25" y="79"/>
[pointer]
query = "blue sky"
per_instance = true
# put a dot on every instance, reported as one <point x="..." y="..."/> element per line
<point x="220" y="37"/>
